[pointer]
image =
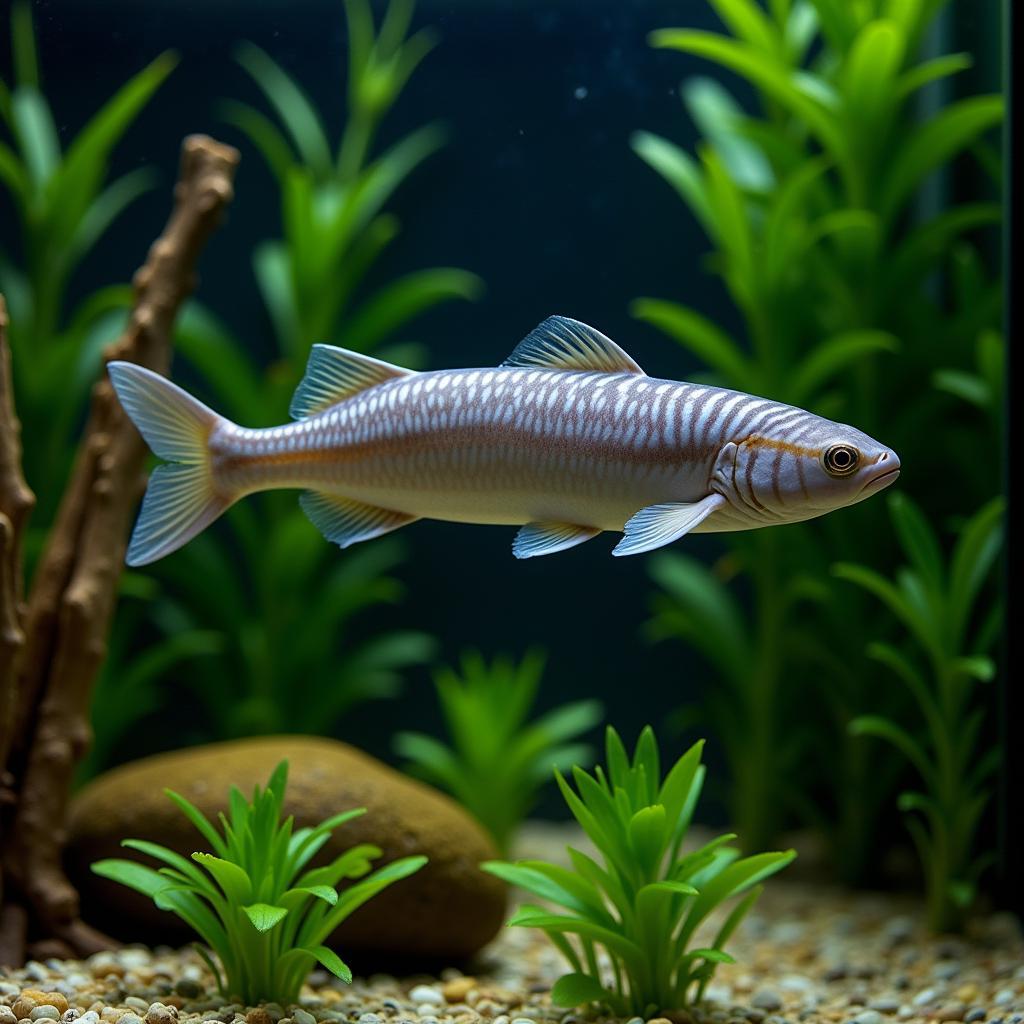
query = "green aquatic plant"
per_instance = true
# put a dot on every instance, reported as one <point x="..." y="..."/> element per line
<point x="811" y="204"/>
<point x="499" y="758"/>
<point x="128" y="688"/>
<point x="256" y="904"/>
<point x="297" y="647"/>
<point x="939" y="604"/>
<point x="64" y="204"/>
<point x="643" y="903"/>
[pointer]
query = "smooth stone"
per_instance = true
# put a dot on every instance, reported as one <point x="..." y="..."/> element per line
<point x="868" y="1017"/>
<point x="404" y="817"/>
<point x="766" y="999"/>
<point x="884" y="1004"/>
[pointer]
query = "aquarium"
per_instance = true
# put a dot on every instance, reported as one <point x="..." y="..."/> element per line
<point x="503" y="512"/>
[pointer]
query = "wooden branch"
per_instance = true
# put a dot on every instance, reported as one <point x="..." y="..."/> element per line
<point x="16" y="503"/>
<point x="72" y="600"/>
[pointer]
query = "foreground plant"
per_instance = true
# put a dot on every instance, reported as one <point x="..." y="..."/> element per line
<point x="644" y="904"/>
<point x="938" y="605"/>
<point x="263" y="916"/>
<point x="498" y="760"/>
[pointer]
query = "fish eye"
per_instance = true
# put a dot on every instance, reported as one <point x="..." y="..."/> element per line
<point x="840" y="459"/>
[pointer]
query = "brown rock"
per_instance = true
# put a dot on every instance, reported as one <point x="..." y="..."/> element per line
<point x="456" y="990"/>
<point x="24" y="1005"/>
<point x="447" y="909"/>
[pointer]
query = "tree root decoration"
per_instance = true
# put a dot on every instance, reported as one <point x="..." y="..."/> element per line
<point x="71" y="603"/>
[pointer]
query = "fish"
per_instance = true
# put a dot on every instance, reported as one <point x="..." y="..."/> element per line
<point x="568" y="438"/>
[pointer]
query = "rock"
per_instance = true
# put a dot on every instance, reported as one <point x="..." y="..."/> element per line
<point x="403" y="817"/>
<point x="427" y="994"/>
<point x="46" y="1011"/>
<point x="456" y="990"/>
<point x="868" y="1017"/>
<point x="7" y="1015"/>
<point x="951" y="1011"/>
<point x="885" y="1004"/>
<point x="766" y="999"/>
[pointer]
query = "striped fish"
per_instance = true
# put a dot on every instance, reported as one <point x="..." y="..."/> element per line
<point x="567" y="438"/>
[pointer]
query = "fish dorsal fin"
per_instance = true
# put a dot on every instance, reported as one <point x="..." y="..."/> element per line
<point x="333" y="374"/>
<point x="563" y="344"/>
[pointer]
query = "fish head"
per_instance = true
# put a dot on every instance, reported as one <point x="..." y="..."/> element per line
<point x="805" y="471"/>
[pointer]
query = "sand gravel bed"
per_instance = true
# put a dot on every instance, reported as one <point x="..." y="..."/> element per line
<point x="807" y="953"/>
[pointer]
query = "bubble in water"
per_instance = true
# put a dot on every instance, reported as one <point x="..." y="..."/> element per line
<point x="580" y="92"/>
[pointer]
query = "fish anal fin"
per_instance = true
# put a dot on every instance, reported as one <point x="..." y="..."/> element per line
<point x="657" y="525"/>
<point x="563" y="344"/>
<point x="334" y="374"/>
<point x="344" y="521"/>
<point x="536" y="539"/>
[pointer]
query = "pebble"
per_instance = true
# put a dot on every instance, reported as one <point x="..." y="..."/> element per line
<point x="45" y="1011"/>
<point x="868" y="1017"/>
<point x="951" y="1011"/>
<point x="456" y="990"/>
<point x="427" y="994"/>
<point x="7" y="1015"/>
<point x="884" y="1004"/>
<point x="766" y="999"/>
<point x="925" y="996"/>
<point x="364" y="1018"/>
<point x="975" y="1014"/>
<point x="301" y="1016"/>
<point x="1004" y="997"/>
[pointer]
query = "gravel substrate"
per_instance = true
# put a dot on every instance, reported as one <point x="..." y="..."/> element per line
<point x="807" y="953"/>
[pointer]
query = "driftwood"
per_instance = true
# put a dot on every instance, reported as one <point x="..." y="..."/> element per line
<point x="52" y="646"/>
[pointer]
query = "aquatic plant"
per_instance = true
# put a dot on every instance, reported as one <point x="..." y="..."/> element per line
<point x="498" y="758"/>
<point x="257" y="579"/>
<point x="254" y="901"/>
<point x="810" y="206"/>
<point x="643" y="903"/>
<point x="938" y="603"/>
<point x="64" y="204"/>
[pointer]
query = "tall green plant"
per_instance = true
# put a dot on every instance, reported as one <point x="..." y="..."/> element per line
<point x="295" y="614"/>
<point x="64" y="204"/>
<point x="809" y="204"/>
<point x="499" y="757"/>
<point x="938" y="602"/>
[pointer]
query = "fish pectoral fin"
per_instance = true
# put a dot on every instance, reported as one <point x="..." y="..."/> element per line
<point x="546" y="538"/>
<point x="657" y="525"/>
<point x="334" y="374"/>
<point x="563" y="344"/>
<point x="344" y="521"/>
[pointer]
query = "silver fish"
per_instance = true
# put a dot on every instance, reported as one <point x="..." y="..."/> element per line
<point x="567" y="438"/>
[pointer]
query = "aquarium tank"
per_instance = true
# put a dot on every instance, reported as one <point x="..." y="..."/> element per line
<point x="505" y="510"/>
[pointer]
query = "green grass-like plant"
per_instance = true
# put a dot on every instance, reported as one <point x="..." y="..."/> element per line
<point x="498" y="759"/>
<point x="256" y="904"/>
<point x="938" y="603"/>
<point x="810" y="197"/>
<point x="643" y="903"/>
<point x="64" y="204"/>
<point x="297" y="651"/>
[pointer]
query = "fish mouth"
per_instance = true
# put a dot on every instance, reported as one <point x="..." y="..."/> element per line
<point x="880" y="481"/>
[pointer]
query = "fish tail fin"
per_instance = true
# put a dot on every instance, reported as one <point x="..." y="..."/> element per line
<point x="181" y="500"/>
